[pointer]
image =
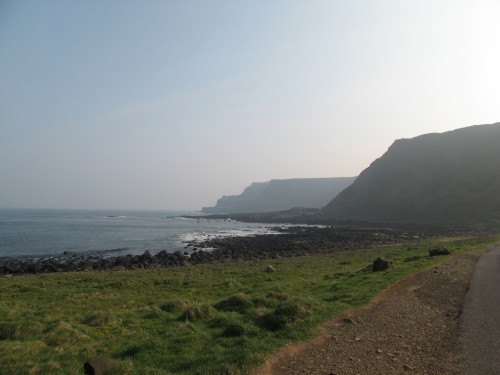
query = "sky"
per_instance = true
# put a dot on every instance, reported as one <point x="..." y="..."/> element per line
<point x="171" y="104"/>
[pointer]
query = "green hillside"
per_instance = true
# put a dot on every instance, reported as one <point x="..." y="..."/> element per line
<point x="447" y="175"/>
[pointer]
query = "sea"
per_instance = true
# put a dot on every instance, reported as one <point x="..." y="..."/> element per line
<point x="41" y="233"/>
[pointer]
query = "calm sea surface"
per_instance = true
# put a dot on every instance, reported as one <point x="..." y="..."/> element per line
<point x="109" y="233"/>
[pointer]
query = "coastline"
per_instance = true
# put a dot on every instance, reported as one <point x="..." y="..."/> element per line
<point x="288" y="242"/>
<point x="42" y="234"/>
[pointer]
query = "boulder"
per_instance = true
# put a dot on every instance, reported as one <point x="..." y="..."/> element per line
<point x="381" y="264"/>
<point x="146" y="257"/>
<point x="12" y="267"/>
<point x="98" y="366"/>
<point x="438" y="251"/>
<point x="122" y="261"/>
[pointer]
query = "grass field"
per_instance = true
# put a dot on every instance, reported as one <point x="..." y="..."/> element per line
<point x="205" y="319"/>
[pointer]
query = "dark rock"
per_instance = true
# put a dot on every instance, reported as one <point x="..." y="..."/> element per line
<point x="438" y="251"/>
<point x="49" y="267"/>
<point x="98" y="366"/>
<point x="122" y="261"/>
<point x="12" y="267"/>
<point x="135" y="259"/>
<point x="146" y="256"/>
<point x="380" y="264"/>
<point x="162" y="254"/>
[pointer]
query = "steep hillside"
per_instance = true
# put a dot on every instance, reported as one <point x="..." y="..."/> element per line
<point x="279" y="195"/>
<point x="448" y="175"/>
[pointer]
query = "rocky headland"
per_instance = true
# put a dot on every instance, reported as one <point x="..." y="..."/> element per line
<point x="280" y="195"/>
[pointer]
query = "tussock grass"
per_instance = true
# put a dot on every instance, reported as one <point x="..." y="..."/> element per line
<point x="171" y="306"/>
<point x="239" y="302"/>
<point x="198" y="312"/>
<point x="285" y="314"/>
<point x="205" y="319"/>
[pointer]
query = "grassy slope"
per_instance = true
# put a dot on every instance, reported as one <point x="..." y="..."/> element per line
<point x="206" y="319"/>
<point x="448" y="175"/>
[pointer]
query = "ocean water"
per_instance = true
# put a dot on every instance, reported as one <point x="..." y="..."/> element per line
<point x="109" y="233"/>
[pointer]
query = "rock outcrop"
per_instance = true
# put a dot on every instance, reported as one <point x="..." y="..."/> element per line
<point x="280" y="195"/>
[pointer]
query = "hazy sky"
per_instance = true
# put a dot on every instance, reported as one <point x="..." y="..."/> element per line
<point x="171" y="104"/>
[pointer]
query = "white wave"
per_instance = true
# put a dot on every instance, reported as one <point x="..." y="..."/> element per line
<point x="195" y="238"/>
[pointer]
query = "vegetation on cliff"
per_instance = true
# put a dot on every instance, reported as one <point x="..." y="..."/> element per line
<point x="447" y="175"/>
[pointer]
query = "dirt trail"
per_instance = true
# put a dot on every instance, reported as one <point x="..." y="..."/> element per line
<point x="480" y="323"/>
<point x="412" y="327"/>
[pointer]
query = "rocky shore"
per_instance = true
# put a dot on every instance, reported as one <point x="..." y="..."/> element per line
<point x="290" y="242"/>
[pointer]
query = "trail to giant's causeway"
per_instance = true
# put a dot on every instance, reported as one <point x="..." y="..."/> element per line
<point x="412" y="327"/>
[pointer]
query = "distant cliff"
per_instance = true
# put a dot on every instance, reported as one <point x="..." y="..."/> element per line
<point x="279" y="195"/>
<point x="443" y="175"/>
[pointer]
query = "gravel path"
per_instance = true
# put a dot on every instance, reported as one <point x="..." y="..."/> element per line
<point x="480" y="320"/>
<point x="411" y="328"/>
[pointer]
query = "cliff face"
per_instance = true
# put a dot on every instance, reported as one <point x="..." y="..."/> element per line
<point x="279" y="195"/>
<point x="448" y="175"/>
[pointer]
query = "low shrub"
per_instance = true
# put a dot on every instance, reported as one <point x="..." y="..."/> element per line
<point x="171" y="306"/>
<point x="238" y="302"/>
<point x="131" y="351"/>
<point x="285" y="314"/>
<point x="19" y="330"/>
<point x="153" y="313"/>
<point x="278" y="296"/>
<point x="61" y="333"/>
<point x="264" y="302"/>
<point x="197" y="312"/>
<point x="234" y="330"/>
<point x="99" y="319"/>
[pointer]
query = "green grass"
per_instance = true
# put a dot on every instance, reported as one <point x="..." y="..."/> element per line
<point x="205" y="319"/>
